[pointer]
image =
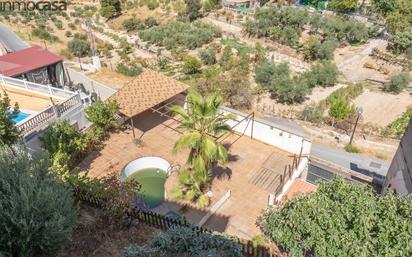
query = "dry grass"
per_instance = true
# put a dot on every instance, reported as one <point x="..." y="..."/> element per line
<point x="94" y="236"/>
<point x="110" y="78"/>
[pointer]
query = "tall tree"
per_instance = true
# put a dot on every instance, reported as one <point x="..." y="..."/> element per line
<point x="9" y="133"/>
<point x="342" y="219"/>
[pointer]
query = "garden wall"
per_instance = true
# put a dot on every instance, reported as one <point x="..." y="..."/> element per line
<point x="269" y="133"/>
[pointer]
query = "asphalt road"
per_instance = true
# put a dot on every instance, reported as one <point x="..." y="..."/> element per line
<point x="359" y="163"/>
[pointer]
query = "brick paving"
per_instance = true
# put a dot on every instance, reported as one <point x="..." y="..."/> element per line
<point x="238" y="215"/>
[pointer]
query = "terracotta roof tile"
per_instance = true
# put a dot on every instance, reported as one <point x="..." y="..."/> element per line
<point x="300" y="186"/>
<point x="145" y="91"/>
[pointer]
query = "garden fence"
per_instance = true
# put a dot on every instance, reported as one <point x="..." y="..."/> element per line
<point x="159" y="221"/>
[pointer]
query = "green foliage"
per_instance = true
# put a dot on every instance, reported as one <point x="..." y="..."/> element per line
<point x="349" y="93"/>
<point x="79" y="46"/>
<point x="312" y="113"/>
<point x="110" y="8"/>
<point x="101" y="114"/>
<point x="42" y="33"/>
<point x="9" y="133"/>
<point x="37" y="215"/>
<point x="177" y="34"/>
<point x="397" y="127"/>
<point x="352" y="149"/>
<point x="314" y="49"/>
<point x="182" y="241"/>
<point x="191" y="65"/>
<point x="341" y="109"/>
<point x="133" y="24"/>
<point x="208" y="56"/>
<point x="202" y="123"/>
<point x="315" y="224"/>
<point x="64" y="144"/>
<point x="131" y="70"/>
<point x="397" y="83"/>
<point x="192" y="11"/>
<point x="324" y="74"/>
<point x="344" y="6"/>
<point x="402" y="42"/>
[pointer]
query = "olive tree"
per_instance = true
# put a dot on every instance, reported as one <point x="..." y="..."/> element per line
<point x="341" y="219"/>
<point x="9" y="133"/>
<point x="37" y="214"/>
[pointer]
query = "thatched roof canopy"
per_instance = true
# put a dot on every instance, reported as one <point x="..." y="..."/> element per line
<point x="147" y="90"/>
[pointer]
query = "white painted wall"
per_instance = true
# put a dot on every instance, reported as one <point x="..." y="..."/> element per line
<point x="269" y="133"/>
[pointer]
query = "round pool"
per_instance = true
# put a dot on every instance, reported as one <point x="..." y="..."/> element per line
<point x="151" y="173"/>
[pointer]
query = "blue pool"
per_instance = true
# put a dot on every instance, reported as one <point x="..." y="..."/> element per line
<point x="21" y="116"/>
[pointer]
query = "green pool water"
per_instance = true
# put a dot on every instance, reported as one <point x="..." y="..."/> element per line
<point x="152" y="182"/>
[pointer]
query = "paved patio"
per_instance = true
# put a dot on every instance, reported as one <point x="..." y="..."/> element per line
<point x="238" y="214"/>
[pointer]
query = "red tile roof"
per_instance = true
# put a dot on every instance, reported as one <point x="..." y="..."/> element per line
<point x="300" y="186"/>
<point x="26" y="60"/>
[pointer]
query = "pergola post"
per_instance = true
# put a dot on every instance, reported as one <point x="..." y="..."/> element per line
<point x="131" y="123"/>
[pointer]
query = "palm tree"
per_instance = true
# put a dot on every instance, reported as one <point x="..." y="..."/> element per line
<point x="202" y="124"/>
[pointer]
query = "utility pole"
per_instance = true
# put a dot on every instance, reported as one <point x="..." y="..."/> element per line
<point x="359" y="111"/>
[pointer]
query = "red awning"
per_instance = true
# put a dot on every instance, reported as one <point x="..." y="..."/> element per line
<point x="26" y="60"/>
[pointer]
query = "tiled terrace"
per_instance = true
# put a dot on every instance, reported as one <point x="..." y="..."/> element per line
<point x="247" y="156"/>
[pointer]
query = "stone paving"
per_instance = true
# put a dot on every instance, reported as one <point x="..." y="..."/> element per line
<point x="238" y="214"/>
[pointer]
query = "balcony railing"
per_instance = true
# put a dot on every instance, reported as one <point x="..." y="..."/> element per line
<point x="46" y="90"/>
<point x="50" y="114"/>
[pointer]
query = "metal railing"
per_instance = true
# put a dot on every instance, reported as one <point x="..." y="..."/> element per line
<point x="48" y="115"/>
<point x="46" y="90"/>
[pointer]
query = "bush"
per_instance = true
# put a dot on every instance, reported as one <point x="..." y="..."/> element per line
<point x="37" y="215"/>
<point x="397" y="83"/>
<point x="312" y="113"/>
<point x="131" y="71"/>
<point x="101" y="114"/>
<point x="181" y="34"/>
<point x="64" y="144"/>
<point x="208" y="56"/>
<point x="79" y="47"/>
<point x="191" y="65"/>
<point x="341" y="109"/>
<point x="132" y="24"/>
<point x="314" y="49"/>
<point x="68" y="33"/>
<point x="397" y="127"/>
<point x="352" y="149"/>
<point x="182" y="241"/>
<point x="323" y="74"/>
<point x="371" y="224"/>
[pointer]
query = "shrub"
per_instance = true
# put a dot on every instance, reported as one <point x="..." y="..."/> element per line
<point x="132" y="24"/>
<point x="101" y="114"/>
<point x="64" y="144"/>
<point x="398" y="126"/>
<point x="182" y="241"/>
<point x="372" y="224"/>
<point x="208" y="56"/>
<point x="312" y="113"/>
<point x="402" y="42"/>
<point x="323" y="74"/>
<point x="191" y="65"/>
<point x="397" y="83"/>
<point x="110" y="8"/>
<point x="9" y="133"/>
<point x="352" y="149"/>
<point x="341" y="109"/>
<point x="37" y="215"/>
<point x="181" y="34"/>
<point x="68" y="33"/>
<point x="131" y="71"/>
<point x="79" y="47"/>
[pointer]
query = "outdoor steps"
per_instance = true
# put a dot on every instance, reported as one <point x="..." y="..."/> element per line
<point x="266" y="179"/>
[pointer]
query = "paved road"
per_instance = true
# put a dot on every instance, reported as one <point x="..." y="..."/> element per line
<point x="91" y="85"/>
<point x="359" y="163"/>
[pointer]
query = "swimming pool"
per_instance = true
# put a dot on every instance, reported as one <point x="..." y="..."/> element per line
<point x="151" y="173"/>
<point x="21" y="116"/>
<point x="152" y="181"/>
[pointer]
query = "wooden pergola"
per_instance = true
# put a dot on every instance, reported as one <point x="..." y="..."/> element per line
<point x="146" y="91"/>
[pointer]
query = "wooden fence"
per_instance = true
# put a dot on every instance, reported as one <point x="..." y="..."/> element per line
<point x="159" y="221"/>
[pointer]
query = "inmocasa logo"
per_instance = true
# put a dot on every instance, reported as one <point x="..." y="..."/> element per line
<point x="21" y="6"/>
